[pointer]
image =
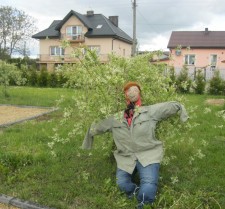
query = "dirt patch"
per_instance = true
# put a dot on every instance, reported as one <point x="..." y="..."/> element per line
<point x="3" y="206"/>
<point x="218" y="102"/>
<point x="11" y="114"/>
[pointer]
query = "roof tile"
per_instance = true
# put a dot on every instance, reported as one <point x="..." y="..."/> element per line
<point x="197" y="39"/>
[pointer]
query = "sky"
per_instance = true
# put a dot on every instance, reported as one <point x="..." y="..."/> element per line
<point x="155" y="19"/>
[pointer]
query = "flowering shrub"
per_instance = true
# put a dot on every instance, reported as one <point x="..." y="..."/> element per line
<point x="9" y="72"/>
<point x="101" y="87"/>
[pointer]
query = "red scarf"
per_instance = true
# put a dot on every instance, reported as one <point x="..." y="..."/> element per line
<point x="129" y="111"/>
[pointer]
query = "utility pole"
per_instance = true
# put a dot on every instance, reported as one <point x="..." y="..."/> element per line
<point x="134" y="46"/>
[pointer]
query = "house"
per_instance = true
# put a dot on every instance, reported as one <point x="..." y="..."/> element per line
<point x="198" y="50"/>
<point x="92" y="30"/>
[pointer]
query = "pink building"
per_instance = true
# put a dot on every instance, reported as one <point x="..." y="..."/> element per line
<point x="198" y="50"/>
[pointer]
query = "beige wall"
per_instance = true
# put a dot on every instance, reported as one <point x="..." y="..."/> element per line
<point x="202" y="57"/>
<point x="73" y="21"/>
<point x="107" y="46"/>
<point x="110" y="45"/>
<point x="45" y="45"/>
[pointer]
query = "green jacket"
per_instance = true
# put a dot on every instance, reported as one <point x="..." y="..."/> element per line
<point x="137" y="141"/>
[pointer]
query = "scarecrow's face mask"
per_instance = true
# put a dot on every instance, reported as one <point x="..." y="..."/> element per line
<point x="133" y="93"/>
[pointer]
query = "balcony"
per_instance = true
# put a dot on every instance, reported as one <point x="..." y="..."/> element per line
<point x="67" y="58"/>
<point x="74" y="37"/>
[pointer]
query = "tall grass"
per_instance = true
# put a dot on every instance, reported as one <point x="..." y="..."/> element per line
<point x="191" y="176"/>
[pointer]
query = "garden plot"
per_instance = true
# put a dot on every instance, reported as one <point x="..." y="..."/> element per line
<point x="3" y="206"/>
<point x="218" y="102"/>
<point x="11" y="114"/>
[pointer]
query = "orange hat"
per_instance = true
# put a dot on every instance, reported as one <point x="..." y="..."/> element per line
<point x="129" y="84"/>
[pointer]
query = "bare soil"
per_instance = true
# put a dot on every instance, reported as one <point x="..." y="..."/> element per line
<point x="3" y="206"/>
<point x="218" y="102"/>
<point x="11" y="114"/>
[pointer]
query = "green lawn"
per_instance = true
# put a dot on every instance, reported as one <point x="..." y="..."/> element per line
<point x="192" y="175"/>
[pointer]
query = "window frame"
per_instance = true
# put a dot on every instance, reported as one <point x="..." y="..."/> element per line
<point x="211" y="57"/>
<point x="58" y="51"/>
<point x="187" y="59"/>
<point x="97" y="48"/>
<point x="70" y="30"/>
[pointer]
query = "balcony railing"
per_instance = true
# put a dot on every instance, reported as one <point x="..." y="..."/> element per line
<point x="73" y="37"/>
<point x="67" y="58"/>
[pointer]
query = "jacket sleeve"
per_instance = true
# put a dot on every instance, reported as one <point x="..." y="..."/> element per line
<point x="96" y="129"/>
<point x="164" y="110"/>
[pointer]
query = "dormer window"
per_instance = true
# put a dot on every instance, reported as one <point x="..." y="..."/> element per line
<point x="74" y="32"/>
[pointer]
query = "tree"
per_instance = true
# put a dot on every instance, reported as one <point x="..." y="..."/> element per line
<point x="199" y="83"/>
<point x="16" y="29"/>
<point x="183" y="82"/>
<point x="216" y="84"/>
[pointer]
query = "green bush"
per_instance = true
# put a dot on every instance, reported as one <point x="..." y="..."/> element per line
<point x="52" y="80"/>
<point x="199" y="83"/>
<point x="33" y="78"/>
<point x="62" y="79"/>
<point x="172" y="75"/>
<point x="103" y="87"/>
<point x="183" y="82"/>
<point x="43" y="78"/>
<point x="216" y="84"/>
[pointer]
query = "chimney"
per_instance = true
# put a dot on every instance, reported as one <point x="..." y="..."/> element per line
<point x="90" y="13"/>
<point x="206" y="31"/>
<point x="114" y="20"/>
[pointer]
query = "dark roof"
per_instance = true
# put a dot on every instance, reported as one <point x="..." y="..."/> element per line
<point x="50" y="32"/>
<point x="197" y="39"/>
<point x="81" y="17"/>
<point x="106" y="27"/>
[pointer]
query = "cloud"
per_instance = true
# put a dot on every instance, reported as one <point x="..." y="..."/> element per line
<point x="156" y="19"/>
<point x="156" y="43"/>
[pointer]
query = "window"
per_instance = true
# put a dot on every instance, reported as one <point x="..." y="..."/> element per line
<point x="95" y="48"/>
<point x="213" y="60"/>
<point x="189" y="59"/>
<point x="56" y="51"/>
<point x="74" y="32"/>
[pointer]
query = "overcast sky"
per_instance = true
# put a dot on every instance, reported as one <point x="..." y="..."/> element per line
<point x="156" y="19"/>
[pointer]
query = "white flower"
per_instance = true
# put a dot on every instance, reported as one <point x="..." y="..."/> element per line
<point x="51" y="144"/>
<point x="221" y="114"/>
<point x="53" y="153"/>
<point x="204" y="143"/>
<point x="207" y="110"/>
<point x="199" y="154"/>
<point x="191" y="159"/>
<point x="166" y="161"/>
<point x="174" y="179"/>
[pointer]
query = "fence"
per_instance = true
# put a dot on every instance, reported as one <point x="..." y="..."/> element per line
<point x="208" y="72"/>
